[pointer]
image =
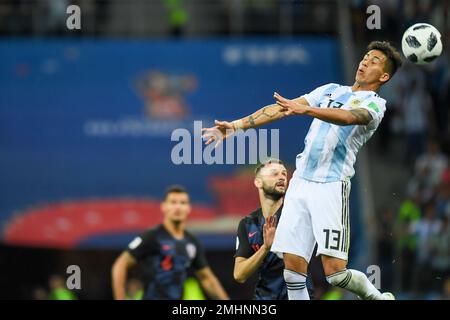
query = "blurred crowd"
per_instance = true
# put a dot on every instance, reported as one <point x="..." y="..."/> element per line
<point x="413" y="235"/>
<point x="413" y="241"/>
<point x="168" y="18"/>
<point x="397" y="15"/>
<point x="55" y="290"/>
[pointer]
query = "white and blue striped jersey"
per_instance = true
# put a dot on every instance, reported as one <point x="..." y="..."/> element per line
<point x="330" y="150"/>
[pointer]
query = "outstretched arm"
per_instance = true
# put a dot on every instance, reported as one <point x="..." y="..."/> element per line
<point x="264" y="115"/>
<point x="341" y="117"/>
<point x="267" y="114"/>
<point x="336" y="116"/>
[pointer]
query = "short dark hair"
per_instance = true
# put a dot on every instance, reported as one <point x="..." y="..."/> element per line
<point x="174" y="189"/>
<point x="267" y="162"/>
<point x="394" y="59"/>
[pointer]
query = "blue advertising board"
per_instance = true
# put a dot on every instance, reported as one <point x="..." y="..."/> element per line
<point x="89" y="123"/>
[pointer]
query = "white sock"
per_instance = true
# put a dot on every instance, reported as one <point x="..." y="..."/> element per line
<point x="356" y="282"/>
<point x="296" y="285"/>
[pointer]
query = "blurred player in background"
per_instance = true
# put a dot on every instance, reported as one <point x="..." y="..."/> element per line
<point x="167" y="251"/>
<point x="316" y="208"/>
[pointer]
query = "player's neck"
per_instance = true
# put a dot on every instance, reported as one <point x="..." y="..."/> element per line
<point x="270" y="206"/>
<point x="365" y="87"/>
<point x="175" y="229"/>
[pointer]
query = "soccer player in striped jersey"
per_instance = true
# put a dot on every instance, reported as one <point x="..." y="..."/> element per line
<point x="316" y="206"/>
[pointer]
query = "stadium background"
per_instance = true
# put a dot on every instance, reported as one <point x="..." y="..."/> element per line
<point x="86" y="118"/>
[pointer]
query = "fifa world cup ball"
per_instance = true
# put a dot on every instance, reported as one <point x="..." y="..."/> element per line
<point x="421" y="43"/>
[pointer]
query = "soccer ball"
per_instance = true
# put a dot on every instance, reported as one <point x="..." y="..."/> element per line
<point x="421" y="43"/>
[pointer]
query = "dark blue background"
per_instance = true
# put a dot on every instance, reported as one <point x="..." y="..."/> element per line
<point x="49" y="89"/>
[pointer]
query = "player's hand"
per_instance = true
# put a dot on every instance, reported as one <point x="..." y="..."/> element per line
<point x="218" y="133"/>
<point x="269" y="231"/>
<point x="289" y="107"/>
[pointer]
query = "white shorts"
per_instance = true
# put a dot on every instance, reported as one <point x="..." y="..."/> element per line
<point x="314" y="212"/>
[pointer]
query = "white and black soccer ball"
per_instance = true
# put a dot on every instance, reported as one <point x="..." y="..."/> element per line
<point x="421" y="43"/>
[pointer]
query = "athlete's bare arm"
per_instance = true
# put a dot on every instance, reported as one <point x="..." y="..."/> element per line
<point x="267" y="114"/>
<point x="119" y="274"/>
<point x="357" y="116"/>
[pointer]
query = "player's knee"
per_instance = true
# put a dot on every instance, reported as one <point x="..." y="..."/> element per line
<point x="295" y="263"/>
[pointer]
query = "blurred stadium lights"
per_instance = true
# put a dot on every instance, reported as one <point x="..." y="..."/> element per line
<point x="160" y="18"/>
